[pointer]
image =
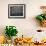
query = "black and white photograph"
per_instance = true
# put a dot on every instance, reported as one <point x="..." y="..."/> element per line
<point x="16" y="10"/>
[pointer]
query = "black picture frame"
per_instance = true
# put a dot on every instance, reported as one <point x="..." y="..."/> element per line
<point x="16" y="10"/>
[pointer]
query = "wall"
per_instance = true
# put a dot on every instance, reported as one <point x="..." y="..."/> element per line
<point x="25" y="26"/>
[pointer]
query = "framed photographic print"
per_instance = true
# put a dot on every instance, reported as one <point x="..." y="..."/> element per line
<point x="16" y="10"/>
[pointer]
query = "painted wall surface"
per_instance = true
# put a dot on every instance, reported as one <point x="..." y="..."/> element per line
<point x="27" y="26"/>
